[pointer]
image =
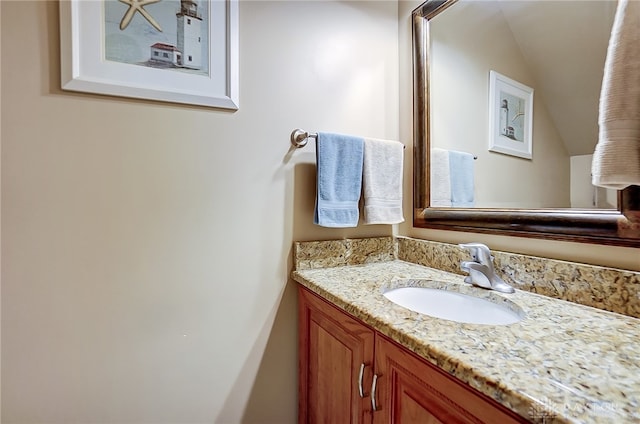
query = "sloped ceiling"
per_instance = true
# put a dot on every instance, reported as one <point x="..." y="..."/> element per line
<point x="565" y="43"/>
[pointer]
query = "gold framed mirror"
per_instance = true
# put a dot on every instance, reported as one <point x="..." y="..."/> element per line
<point x="617" y="225"/>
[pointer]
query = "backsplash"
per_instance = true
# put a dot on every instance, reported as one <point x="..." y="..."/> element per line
<point x="326" y="254"/>
<point x="604" y="288"/>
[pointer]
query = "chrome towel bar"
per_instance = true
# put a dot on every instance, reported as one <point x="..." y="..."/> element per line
<point x="300" y="137"/>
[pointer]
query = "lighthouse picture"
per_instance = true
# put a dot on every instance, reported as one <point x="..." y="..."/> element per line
<point x="170" y="35"/>
<point x="190" y="34"/>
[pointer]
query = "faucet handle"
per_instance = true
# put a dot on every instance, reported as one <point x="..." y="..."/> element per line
<point x="479" y="252"/>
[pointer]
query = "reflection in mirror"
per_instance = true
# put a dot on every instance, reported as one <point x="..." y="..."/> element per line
<point x="556" y="48"/>
<point x="555" y="60"/>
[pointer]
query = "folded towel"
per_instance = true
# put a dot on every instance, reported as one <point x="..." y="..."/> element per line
<point x="462" y="180"/>
<point x="339" y="180"/>
<point x="382" y="181"/>
<point x="616" y="161"/>
<point x="440" y="179"/>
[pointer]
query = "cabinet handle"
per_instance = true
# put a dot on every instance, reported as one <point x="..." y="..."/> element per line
<point x="360" y="376"/>
<point x="374" y="384"/>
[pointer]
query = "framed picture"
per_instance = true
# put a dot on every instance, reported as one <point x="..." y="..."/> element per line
<point x="181" y="51"/>
<point x="510" y="116"/>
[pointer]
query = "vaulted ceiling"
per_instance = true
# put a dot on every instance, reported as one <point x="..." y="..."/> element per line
<point x="564" y="44"/>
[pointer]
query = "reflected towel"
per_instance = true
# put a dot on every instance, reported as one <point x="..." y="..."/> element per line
<point x="382" y="181"/>
<point x="339" y="181"/>
<point x="462" y="180"/>
<point x="616" y="161"/>
<point x="440" y="179"/>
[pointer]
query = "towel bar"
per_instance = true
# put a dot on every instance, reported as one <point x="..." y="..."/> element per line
<point x="300" y="137"/>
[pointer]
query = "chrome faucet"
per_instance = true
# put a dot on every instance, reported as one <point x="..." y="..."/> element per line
<point x="480" y="269"/>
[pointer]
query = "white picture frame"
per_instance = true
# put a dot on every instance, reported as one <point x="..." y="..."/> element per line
<point x="510" y="116"/>
<point x="84" y="41"/>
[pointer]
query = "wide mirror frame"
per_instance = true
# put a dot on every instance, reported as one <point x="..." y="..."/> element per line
<point x="610" y="227"/>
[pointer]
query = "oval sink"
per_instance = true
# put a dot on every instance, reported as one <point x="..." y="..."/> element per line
<point x="454" y="306"/>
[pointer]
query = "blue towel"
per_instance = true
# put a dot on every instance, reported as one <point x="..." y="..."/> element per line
<point x="461" y="174"/>
<point x="339" y="180"/>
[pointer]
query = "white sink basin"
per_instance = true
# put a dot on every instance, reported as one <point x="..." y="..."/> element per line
<point x="455" y="306"/>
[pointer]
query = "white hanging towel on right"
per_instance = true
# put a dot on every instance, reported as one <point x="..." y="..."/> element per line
<point x="616" y="160"/>
<point x="382" y="173"/>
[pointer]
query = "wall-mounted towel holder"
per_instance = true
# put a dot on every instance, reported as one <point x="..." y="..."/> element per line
<point x="300" y="137"/>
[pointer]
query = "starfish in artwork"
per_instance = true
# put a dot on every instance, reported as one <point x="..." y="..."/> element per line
<point x="138" y="6"/>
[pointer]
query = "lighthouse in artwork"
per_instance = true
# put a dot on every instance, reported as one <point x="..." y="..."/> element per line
<point x="189" y="35"/>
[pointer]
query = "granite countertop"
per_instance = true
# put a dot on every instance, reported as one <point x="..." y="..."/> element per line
<point x="564" y="362"/>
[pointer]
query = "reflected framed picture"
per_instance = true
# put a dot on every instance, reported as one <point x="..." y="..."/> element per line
<point x="180" y="51"/>
<point x="510" y="116"/>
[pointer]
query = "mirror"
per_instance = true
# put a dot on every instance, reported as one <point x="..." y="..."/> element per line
<point x="546" y="193"/>
<point x="557" y="49"/>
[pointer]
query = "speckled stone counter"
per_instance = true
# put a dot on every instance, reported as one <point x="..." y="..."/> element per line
<point x="564" y="362"/>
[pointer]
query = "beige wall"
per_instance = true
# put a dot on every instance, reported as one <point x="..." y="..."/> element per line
<point x="583" y="193"/>
<point x="145" y="278"/>
<point x="146" y="246"/>
<point x="0" y="218"/>
<point x="483" y="41"/>
<point x="620" y="257"/>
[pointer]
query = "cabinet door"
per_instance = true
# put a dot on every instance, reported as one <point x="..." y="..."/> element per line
<point x="410" y="390"/>
<point x="333" y="349"/>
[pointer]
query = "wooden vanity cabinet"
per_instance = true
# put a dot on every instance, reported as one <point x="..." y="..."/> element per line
<point x="412" y="390"/>
<point x="335" y="347"/>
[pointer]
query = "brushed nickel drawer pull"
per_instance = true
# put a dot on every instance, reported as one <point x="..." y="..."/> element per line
<point x="374" y="385"/>
<point x="360" y="389"/>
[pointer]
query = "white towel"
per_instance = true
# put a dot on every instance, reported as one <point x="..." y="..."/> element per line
<point x="616" y="161"/>
<point x="462" y="179"/>
<point x="382" y="181"/>
<point x="440" y="179"/>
